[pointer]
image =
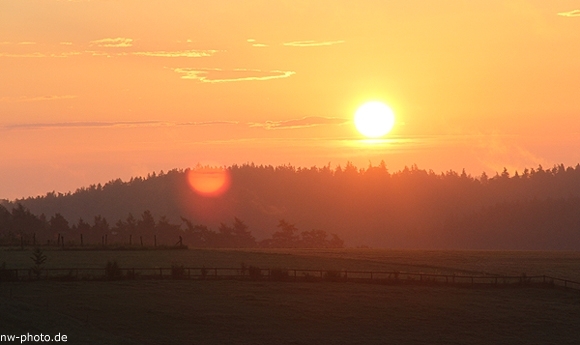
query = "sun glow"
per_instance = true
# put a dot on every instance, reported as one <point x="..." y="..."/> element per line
<point x="207" y="181"/>
<point x="374" y="119"/>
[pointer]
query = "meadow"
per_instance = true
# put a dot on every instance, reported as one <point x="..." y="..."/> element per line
<point x="560" y="264"/>
<point x="262" y="312"/>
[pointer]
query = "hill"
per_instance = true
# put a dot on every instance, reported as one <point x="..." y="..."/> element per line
<point x="412" y="208"/>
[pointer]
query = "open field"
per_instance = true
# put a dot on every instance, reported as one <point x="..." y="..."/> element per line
<point x="556" y="263"/>
<point x="246" y="312"/>
<point x="233" y="312"/>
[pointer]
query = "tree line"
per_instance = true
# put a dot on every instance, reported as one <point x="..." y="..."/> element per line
<point x="373" y="206"/>
<point x="20" y="227"/>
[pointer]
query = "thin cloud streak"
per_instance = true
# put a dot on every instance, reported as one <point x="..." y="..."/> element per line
<point x="35" y="99"/>
<point x="182" y="53"/>
<point x="58" y="125"/>
<point x="40" y="55"/>
<point x="95" y="124"/>
<point x="118" y="42"/>
<point x="311" y="43"/>
<point x="300" y="123"/>
<point x="574" y="13"/>
<point x="207" y="123"/>
<point x="202" y="75"/>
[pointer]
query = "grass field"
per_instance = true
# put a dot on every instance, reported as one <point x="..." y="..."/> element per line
<point x="246" y="312"/>
<point x="557" y="264"/>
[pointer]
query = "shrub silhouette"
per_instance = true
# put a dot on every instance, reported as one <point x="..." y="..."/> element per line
<point x="333" y="276"/>
<point x="113" y="271"/>
<point x="131" y="274"/>
<point x="39" y="259"/>
<point x="279" y="274"/>
<point x="254" y="272"/>
<point x="7" y="274"/>
<point x="177" y="272"/>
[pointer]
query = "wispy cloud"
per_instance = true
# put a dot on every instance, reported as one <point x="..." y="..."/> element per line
<point x="17" y="43"/>
<point x="311" y="43"/>
<point x="119" y="42"/>
<point x="24" y="55"/>
<point x="575" y="13"/>
<point x="97" y="124"/>
<point x="300" y="123"/>
<point x="256" y="44"/>
<point x="82" y="124"/>
<point x="40" y="55"/>
<point x="207" y="123"/>
<point x="181" y="53"/>
<point x="35" y="99"/>
<point x="218" y="75"/>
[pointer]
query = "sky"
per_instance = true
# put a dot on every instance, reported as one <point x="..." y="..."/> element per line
<point x="95" y="90"/>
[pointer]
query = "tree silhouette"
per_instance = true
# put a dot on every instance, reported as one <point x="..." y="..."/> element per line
<point x="286" y="237"/>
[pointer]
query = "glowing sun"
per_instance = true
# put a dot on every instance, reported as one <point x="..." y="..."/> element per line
<point x="374" y="119"/>
<point x="208" y="181"/>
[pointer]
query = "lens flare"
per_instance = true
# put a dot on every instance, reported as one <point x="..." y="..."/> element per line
<point x="209" y="181"/>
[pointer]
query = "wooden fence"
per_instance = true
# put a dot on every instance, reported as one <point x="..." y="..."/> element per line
<point x="302" y="275"/>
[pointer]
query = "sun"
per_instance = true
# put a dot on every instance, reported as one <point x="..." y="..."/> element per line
<point x="374" y="119"/>
<point x="209" y="181"/>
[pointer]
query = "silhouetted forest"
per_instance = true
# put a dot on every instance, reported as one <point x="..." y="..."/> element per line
<point x="537" y="208"/>
<point x="22" y="228"/>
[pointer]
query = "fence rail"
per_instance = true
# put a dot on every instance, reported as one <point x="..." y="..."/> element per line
<point x="274" y="274"/>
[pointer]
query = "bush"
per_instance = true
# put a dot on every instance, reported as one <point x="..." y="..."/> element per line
<point x="177" y="272"/>
<point x="39" y="259"/>
<point x="113" y="271"/>
<point x="254" y="272"/>
<point x="309" y="278"/>
<point x="525" y="280"/>
<point x="279" y="275"/>
<point x="332" y="276"/>
<point x="7" y="274"/>
<point x="131" y="274"/>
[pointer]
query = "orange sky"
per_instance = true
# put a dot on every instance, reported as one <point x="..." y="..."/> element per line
<point x="98" y="89"/>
